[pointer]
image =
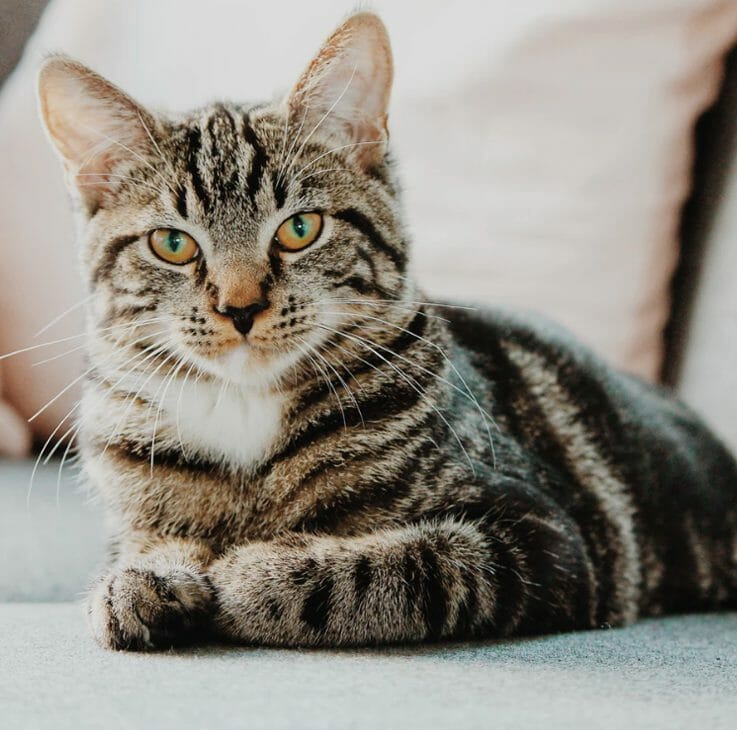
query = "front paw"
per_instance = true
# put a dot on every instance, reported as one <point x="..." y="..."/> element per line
<point x="138" y="608"/>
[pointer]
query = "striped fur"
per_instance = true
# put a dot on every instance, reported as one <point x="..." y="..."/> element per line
<point x="362" y="467"/>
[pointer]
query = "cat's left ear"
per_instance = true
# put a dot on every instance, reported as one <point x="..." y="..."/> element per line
<point x="95" y="127"/>
<point x="346" y="88"/>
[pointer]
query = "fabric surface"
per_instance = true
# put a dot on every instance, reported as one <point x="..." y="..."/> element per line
<point x="545" y="149"/>
<point x="51" y="535"/>
<point x="672" y="673"/>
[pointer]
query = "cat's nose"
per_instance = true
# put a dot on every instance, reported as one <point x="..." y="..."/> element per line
<point x="243" y="316"/>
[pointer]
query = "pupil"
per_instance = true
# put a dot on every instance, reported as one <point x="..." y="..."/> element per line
<point x="299" y="226"/>
<point x="175" y="242"/>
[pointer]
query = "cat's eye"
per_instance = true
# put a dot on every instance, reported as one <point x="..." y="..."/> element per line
<point x="174" y="247"/>
<point x="299" y="231"/>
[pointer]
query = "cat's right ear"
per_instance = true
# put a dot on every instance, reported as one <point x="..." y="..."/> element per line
<point x="94" y="126"/>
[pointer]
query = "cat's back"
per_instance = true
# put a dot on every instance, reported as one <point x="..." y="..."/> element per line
<point x="541" y="379"/>
<point x="622" y="456"/>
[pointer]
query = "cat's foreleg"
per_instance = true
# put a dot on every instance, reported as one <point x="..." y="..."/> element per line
<point x="446" y="578"/>
<point x="154" y="594"/>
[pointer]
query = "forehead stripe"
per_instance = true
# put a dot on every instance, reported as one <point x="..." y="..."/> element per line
<point x="258" y="162"/>
<point x="194" y="138"/>
<point x="181" y="200"/>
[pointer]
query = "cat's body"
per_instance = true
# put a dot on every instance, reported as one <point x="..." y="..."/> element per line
<point x="295" y="449"/>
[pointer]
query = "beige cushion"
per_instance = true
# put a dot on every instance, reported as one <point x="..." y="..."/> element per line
<point x="15" y="435"/>
<point x="545" y="148"/>
<point x="708" y="377"/>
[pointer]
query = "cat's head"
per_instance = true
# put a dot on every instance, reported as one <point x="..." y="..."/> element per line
<point x="236" y="238"/>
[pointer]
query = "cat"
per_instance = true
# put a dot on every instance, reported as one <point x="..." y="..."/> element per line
<point x="295" y="448"/>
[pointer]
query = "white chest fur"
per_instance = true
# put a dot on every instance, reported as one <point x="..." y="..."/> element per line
<point x="233" y="423"/>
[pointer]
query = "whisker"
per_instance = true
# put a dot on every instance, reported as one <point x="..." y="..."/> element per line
<point x="169" y="380"/>
<point x="329" y="383"/>
<point x="322" y="172"/>
<point x="381" y="372"/>
<point x="322" y="119"/>
<point x="134" y="153"/>
<point x="413" y="384"/>
<point x="131" y="399"/>
<point x="405" y="301"/>
<point x="485" y="416"/>
<point x="348" y="371"/>
<point x="179" y="408"/>
<point x="86" y="344"/>
<point x="50" y="455"/>
<point x="225" y="385"/>
<point x="72" y="433"/>
<point x="138" y="183"/>
<point x="41" y="453"/>
<point x="427" y="315"/>
<point x="340" y="379"/>
<point x="282" y="158"/>
<point x="63" y="391"/>
<point x="412" y="362"/>
<point x="167" y="163"/>
<point x="76" y="348"/>
<point x="297" y="177"/>
<point x="282" y="172"/>
<point x="61" y="316"/>
<point x="130" y="325"/>
<point x="343" y="383"/>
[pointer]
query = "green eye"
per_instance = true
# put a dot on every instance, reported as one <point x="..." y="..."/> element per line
<point x="299" y="231"/>
<point x="174" y="247"/>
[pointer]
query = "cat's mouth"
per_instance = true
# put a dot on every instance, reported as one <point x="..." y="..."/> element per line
<point x="245" y="361"/>
<point x="274" y="341"/>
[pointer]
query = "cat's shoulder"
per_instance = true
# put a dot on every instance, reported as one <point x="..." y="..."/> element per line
<point x="484" y="328"/>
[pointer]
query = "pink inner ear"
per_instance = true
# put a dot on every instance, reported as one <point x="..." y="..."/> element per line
<point x="93" y="124"/>
<point x="345" y="89"/>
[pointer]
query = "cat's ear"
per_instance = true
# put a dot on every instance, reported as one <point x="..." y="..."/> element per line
<point x="95" y="127"/>
<point x="345" y="89"/>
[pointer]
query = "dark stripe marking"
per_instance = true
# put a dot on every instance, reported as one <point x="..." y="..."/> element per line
<point x="259" y="159"/>
<point x="362" y="577"/>
<point x="280" y="191"/>
<point x="194" y="140"/>
<point x="316" y="608"/>
<point x="181" y="201"/>
<point x="363" y="224"/>
<point x="110" y="254"/>
<point x="434" y="598"/>
<point x="356" y="283"/>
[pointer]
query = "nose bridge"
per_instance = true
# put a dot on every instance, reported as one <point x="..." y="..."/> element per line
<point x="238" y="289"/>
<point x="238" y="285"/>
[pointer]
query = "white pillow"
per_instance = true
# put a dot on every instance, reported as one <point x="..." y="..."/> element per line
<point x="545" y="148"/>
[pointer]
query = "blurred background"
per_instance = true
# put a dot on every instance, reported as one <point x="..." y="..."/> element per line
<point x="555" y="157"/>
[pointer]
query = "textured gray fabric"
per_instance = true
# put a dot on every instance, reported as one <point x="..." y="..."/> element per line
<point x="671" y="673"/>
<point x="48" y="546"/>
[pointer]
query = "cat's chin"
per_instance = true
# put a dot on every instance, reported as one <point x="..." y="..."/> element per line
<point x="240" y="364"/>
<point x="248" y="366"/>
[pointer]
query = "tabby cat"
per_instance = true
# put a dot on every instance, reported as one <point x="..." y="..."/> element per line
<point x="296" y="449"/>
